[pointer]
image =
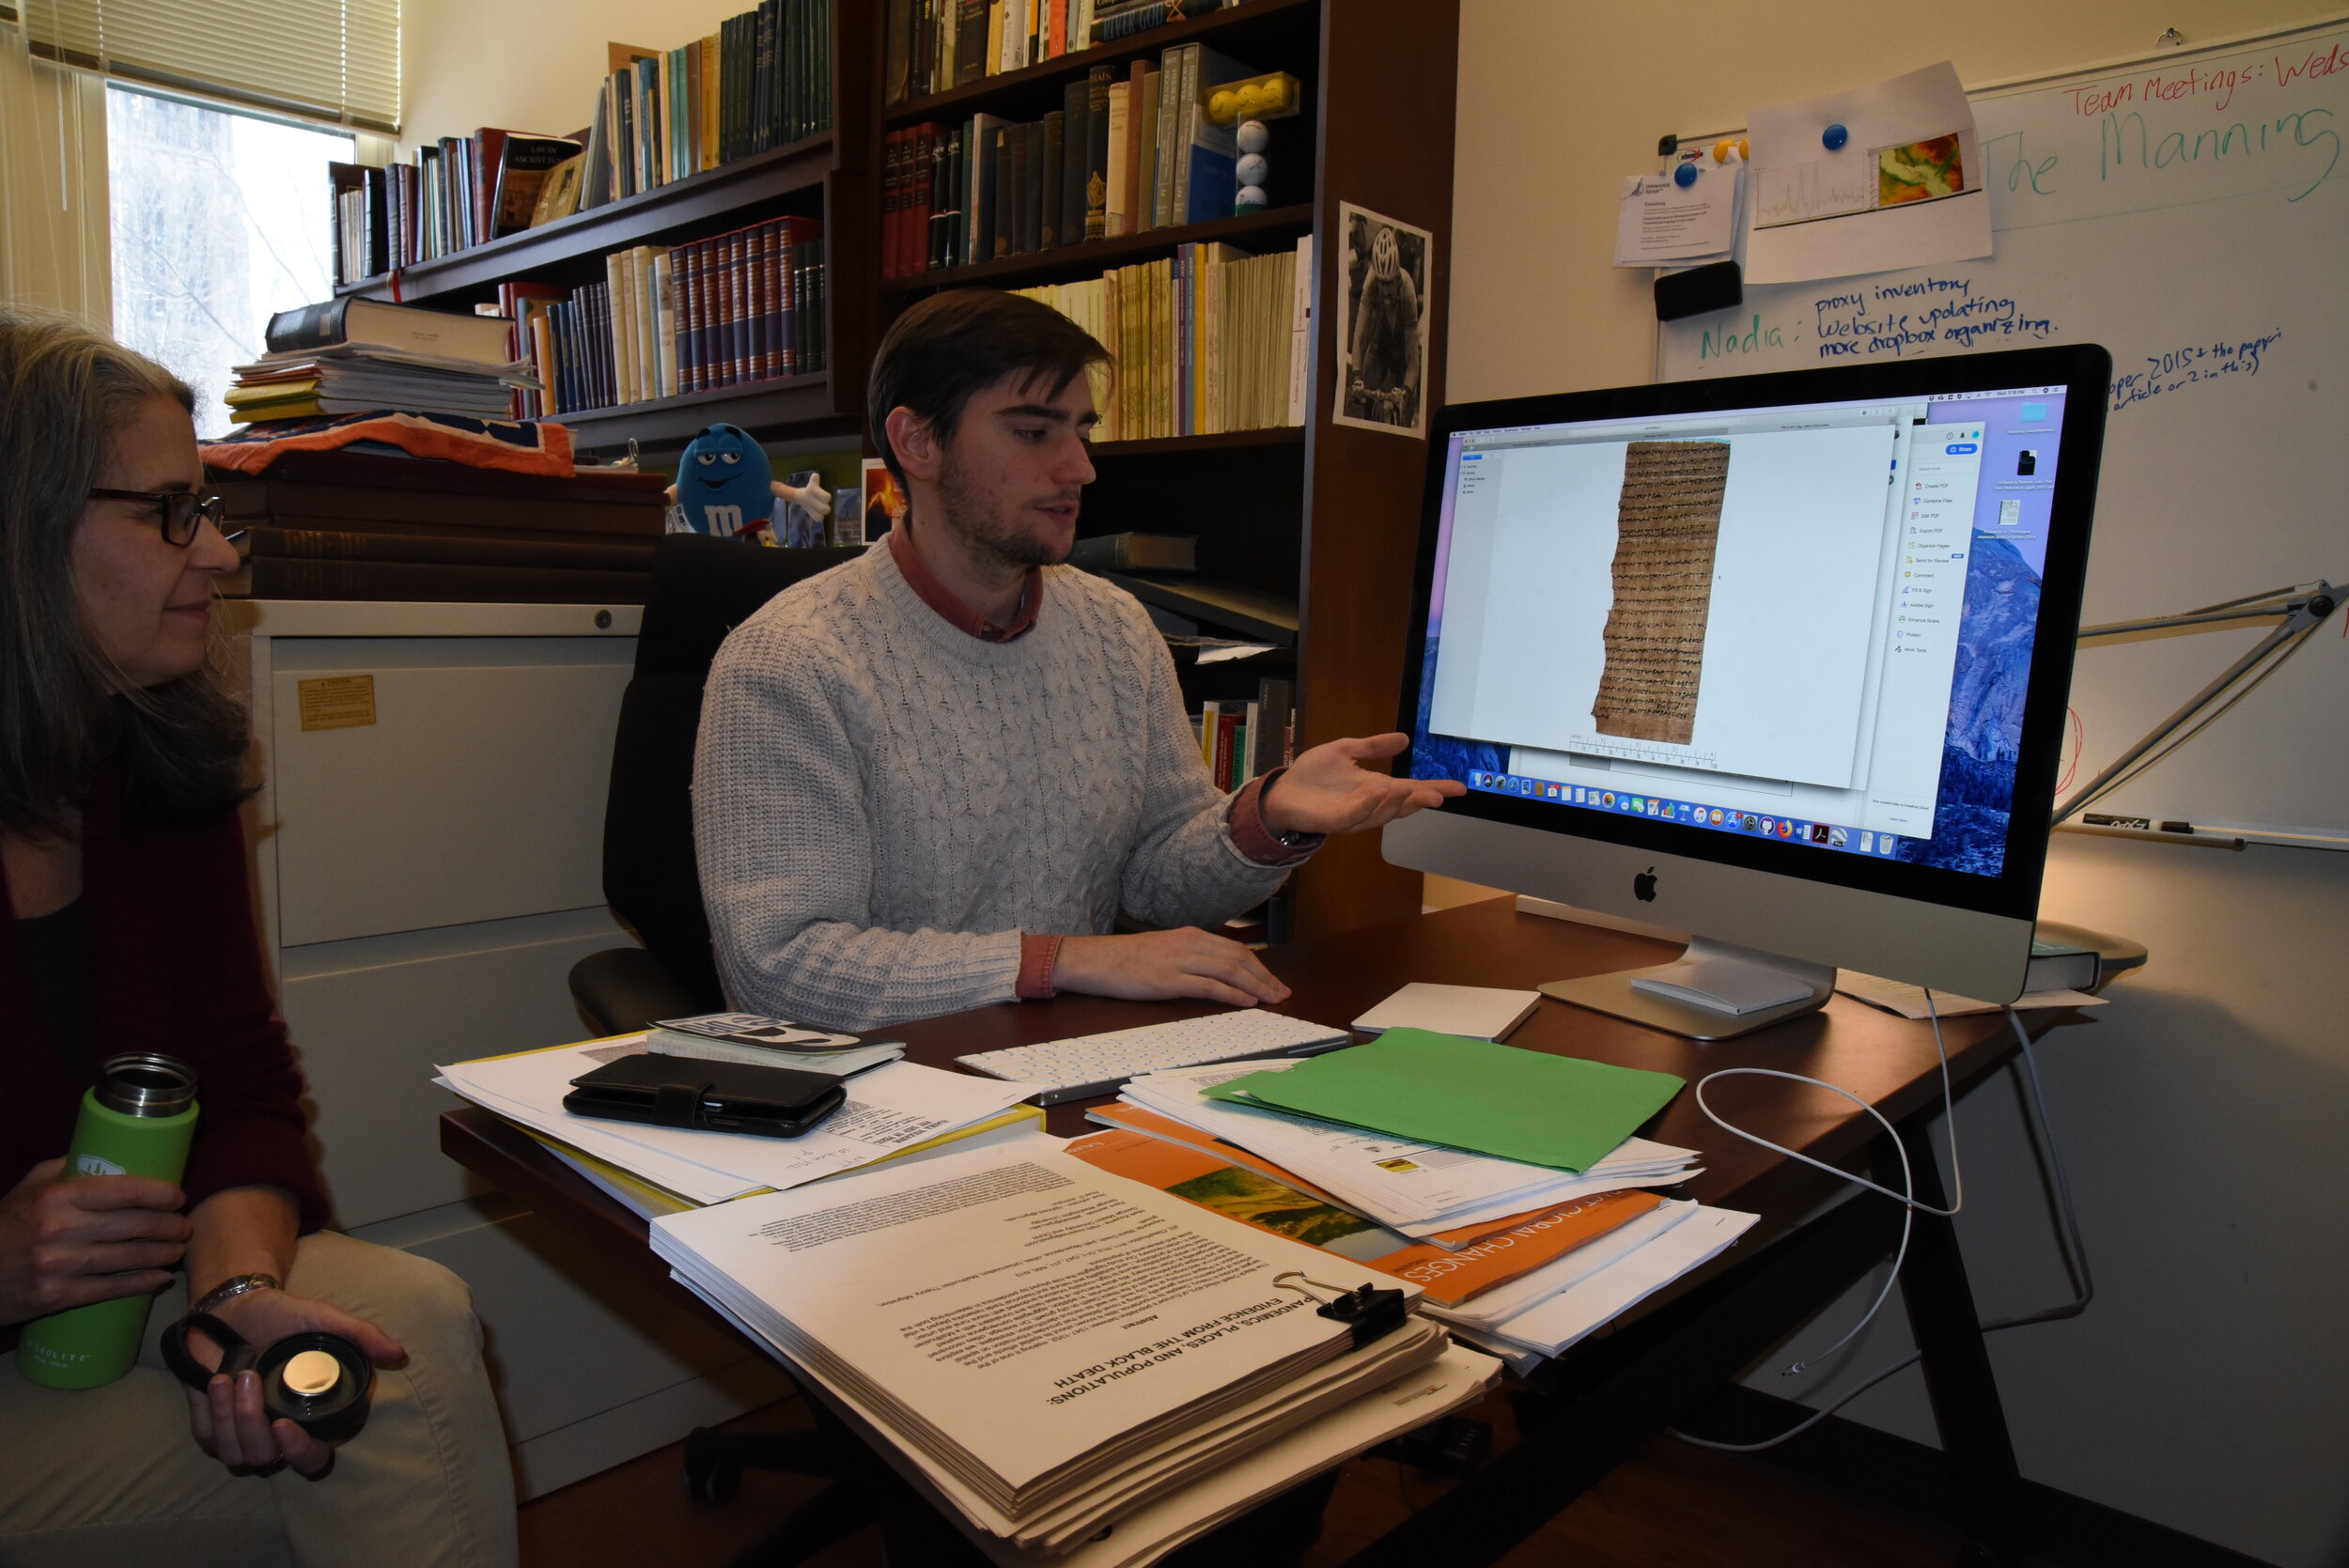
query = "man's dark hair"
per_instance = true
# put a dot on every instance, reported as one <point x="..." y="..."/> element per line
<point x="952" y="346"/>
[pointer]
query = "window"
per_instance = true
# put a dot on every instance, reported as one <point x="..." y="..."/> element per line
<point x="220" y="220"/>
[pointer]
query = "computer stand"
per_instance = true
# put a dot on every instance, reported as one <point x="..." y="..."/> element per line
<point x="1616" y="995"/>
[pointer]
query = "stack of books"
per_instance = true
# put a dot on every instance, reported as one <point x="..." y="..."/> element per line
<point x="1520" y="1257"/>
<point x="350" y="525"/>
<point x="750" y="306"/>
<point x="350" y="355"/>
<point x="1120" y="156"/>
<point x="1059" y="1355"/>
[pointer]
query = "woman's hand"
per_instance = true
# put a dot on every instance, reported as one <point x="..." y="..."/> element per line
<point x="70" y="1241"/>
<point x="227" y="1415"/>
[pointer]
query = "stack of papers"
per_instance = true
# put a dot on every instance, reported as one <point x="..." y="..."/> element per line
<point x="890" y="1111"/>
<point x="1476" y="1207"/>
<point x="1051" y="1350"/>
<point x="365" y="377"/>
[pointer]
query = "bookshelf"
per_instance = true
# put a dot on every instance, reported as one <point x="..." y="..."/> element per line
<point x="1324" y="515"/>
<point x="823" y="177"/>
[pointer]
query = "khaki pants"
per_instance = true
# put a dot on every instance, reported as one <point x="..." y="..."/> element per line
<point x="105" y="1476"/>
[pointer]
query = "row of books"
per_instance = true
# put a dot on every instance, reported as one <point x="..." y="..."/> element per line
<point x="1243" y="740"/>
<point x="1205" y="341"/>
<point x="761" y="82"/>
<point x="936" y="44"/>
<point x="460" y="190"/>
<point x="1118" y="157"/>
<point x="669" y="319"/>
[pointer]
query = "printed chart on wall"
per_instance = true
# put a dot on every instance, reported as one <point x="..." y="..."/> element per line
<point x="2190" y="213"/>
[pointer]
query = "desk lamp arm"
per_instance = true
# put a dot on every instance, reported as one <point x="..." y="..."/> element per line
<point x="2301" y="609"/>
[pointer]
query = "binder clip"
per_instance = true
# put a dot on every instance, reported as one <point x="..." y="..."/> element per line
<point x="1371" y="1312"/>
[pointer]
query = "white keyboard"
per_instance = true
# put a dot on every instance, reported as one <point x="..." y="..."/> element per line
<point x="1096" y="1064"/>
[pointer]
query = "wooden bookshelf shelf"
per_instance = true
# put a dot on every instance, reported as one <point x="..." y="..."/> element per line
<point x="1259" y="29"/>
<point x="646" y="217"/>
<point x="1274" y="225"/>
<point x="800" y="401"/>
<point x="1278" y="435"/>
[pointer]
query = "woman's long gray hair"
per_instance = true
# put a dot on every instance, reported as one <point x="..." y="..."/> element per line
<point x="65" y="392"/>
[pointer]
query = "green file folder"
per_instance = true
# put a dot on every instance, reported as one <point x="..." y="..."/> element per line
<point x="1494" y="1100"/>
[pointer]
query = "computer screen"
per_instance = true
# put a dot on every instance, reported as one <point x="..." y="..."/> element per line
<point x="1816" y="625"/>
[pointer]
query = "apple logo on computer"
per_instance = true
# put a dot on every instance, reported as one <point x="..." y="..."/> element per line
<point x="1643" y="886"/>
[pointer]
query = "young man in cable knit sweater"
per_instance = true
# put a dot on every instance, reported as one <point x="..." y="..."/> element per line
<point x="930" y="779"/>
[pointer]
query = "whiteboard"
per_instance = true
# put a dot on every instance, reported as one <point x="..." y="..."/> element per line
<point x="2190" y="213"/>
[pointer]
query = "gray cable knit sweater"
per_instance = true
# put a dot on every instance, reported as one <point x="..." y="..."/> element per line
<point x="883" y="804"/>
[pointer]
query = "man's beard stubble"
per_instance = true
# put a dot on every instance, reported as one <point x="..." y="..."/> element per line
<point x="970" y="514"/>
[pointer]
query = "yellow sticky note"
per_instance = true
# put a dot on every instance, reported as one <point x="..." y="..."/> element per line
<point x="337" y="701"/>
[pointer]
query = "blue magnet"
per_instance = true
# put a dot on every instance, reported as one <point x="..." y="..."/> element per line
<point x="1684" y="176"/>
<point x="1833" y="138"/>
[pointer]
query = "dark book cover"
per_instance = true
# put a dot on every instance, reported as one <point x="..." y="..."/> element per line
<point x="522" y="172"/>
<point x="982" y="221"/>
<point x="1054" y="153"/>
<point x="1076" y="136"/>
<point x="922" y="68"/>
<point x="1007" y="192"/>
<point x="970" y="41"/>
<point x="1020" y="142"/>
<point x="763" y="76"/>
<point x="1096" y="152"/>
<point x="941" y="197"/>
<point x="958" y="192"/>
<point x="787" y="296"/>
<point x="454" y="549"/>
<point x="893" y="204"/>
<point x="771" y="296"/>
<point x="897" y="52"/>
<point x="426" y="583"/>
<point x="1031" y="188"/>
<point x="821" y="60"/>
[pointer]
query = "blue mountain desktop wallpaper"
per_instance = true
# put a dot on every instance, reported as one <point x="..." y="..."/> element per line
<point x="1980" y="749"/>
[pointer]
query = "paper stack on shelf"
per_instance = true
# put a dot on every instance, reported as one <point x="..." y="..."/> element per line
<point x="1049" y="1349"/>
<point x="363" y="378"/>
<point x="889" y="1110"/>
<point x="1478" y="1207"/>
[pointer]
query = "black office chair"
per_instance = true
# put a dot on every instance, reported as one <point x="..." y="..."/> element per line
<point x="702" y="588"/>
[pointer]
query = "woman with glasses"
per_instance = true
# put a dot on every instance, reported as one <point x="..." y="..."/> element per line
<point x="125" y="925"/>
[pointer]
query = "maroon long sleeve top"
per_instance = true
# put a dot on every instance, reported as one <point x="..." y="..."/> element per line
<point x="176" y="960"/>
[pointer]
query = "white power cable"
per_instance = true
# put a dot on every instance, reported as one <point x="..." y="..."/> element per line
<point x="2076" y="1252"/>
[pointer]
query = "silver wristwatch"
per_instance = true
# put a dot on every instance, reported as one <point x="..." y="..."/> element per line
<point x="229" y="1289"/>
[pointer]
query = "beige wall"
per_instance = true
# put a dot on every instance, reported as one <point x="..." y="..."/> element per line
<point x="2202" y="1111"/>
<point x="526" y="65"/>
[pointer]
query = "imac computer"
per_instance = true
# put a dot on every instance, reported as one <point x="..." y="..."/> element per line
<point x="1779" y="662"/>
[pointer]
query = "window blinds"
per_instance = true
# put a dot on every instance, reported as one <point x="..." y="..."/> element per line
<point x="329" y="59"/>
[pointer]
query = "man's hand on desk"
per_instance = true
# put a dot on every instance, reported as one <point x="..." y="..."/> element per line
<point x="1160" y="965"/>
<point x="1327" y="790"/>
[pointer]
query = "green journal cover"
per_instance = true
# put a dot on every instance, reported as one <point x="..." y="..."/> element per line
<point x="1494" y="1100"/>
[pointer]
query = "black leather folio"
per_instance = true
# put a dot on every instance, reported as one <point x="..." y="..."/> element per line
<point x="714" y="1096"/>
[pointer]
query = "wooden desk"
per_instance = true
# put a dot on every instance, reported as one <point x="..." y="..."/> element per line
<point x="1621" y="1388"/>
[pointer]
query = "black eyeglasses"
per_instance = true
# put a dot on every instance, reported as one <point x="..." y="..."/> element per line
<point x="177" y="512"/>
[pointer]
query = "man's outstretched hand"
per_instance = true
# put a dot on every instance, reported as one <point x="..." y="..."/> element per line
<point x="1327" y="790"/>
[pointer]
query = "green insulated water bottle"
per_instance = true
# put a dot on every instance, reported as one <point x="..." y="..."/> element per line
<point x="136" y="1120"/>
